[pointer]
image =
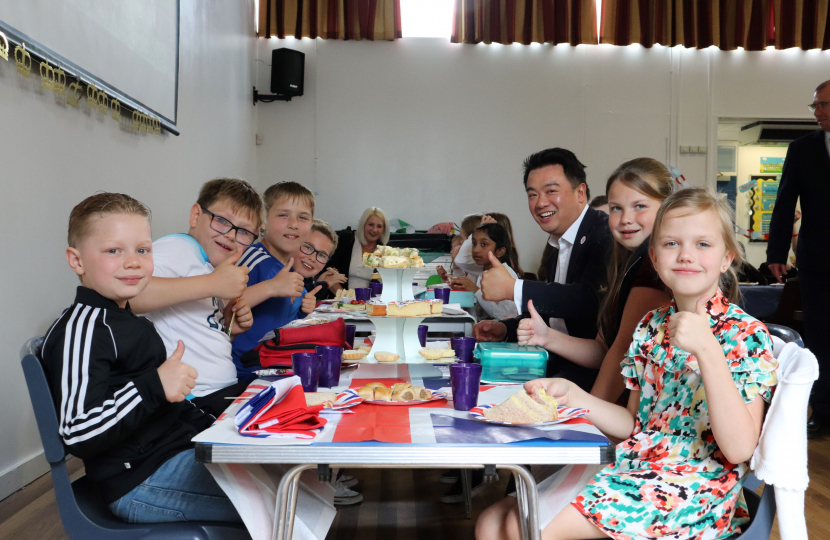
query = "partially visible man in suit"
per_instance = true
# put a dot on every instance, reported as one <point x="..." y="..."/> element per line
<point x="581" y="242"/>
<point x="806" y="175"/>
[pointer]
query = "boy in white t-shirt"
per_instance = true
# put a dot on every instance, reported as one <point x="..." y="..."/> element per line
<point x="197" y="288"/>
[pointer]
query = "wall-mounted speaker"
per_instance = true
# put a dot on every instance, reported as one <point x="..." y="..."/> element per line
<point x="287" y="72"/>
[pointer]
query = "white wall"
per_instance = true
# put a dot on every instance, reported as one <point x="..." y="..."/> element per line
<point x="52" y="156"/>
<point x="430" y="131"/>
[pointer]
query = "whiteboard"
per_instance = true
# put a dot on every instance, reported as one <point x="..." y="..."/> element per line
<point x="132" y="45"/>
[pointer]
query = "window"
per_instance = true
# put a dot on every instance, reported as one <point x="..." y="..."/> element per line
<point x="427" y="18"/>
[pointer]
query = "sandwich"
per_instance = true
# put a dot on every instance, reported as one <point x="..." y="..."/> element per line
<point x="317" y="398"/>
<point x="520" y="408"/>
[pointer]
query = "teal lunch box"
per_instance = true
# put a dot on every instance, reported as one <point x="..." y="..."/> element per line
<point x="509" y="362"/>
<point x="467" y="299"/>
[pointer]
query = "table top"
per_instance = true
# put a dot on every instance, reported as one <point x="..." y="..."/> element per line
<point x="415" y="436"/>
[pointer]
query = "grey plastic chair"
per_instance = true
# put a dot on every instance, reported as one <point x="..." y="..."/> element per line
<point x="83" y="512"/>
<point x="761" y="513"/>
<point x="785" y="333"/>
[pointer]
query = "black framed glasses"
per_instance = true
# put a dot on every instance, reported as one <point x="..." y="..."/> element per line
<point x="823" y="105"/>
<point x="223" y="226"/>
<point x="308" y="249"/>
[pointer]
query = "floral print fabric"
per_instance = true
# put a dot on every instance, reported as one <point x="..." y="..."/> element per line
<point x="670" y="479"/>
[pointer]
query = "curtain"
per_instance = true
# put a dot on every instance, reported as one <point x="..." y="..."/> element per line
<point x="525" y="21"/>
<point x="726" y="24"/>
<point x="802" y="23"/>
<point x="330" y="19"/>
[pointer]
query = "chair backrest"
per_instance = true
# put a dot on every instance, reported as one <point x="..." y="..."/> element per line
<point x="762" y="513"/>
<point x="47" y="418"/>
<point x="785" y="334"/>
<point x="434" y="280"/>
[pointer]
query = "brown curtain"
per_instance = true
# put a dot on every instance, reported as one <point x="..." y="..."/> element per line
<point x="802" y="23"/>
<point x="525" y="21"/>
<point x="726" y="24"/>
<point x="330" y="19"/>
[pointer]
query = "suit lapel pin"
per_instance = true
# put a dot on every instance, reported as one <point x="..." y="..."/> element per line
<point x="582" y="241"/>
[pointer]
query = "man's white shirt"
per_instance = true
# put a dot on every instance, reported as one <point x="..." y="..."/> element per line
<point x="565" y="245"/>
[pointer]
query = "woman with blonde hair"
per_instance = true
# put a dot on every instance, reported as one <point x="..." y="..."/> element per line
<point x="372" y="231"/>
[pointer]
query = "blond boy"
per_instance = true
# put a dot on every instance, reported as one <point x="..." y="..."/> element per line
<point x="274" y="290"/>
<point x="119" y="398"/>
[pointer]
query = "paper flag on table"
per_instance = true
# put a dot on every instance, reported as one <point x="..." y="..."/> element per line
<point x="280" y="411"/>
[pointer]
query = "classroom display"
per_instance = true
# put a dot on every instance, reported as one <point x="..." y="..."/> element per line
<point x="762" y="202"/>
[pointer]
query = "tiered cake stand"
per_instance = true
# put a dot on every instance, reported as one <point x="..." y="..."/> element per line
<point x="398" y="334"/>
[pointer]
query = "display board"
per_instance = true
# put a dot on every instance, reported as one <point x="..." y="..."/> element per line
<point x="762" y="198"/>
<point x="132" y="48"/>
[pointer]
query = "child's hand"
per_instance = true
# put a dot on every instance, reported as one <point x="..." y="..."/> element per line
<point x="177" y="378"/>
<point x="558" y="389"/>
<point x="287" y="284"/>
<point x="490" y="331"/>
<point x="310" y="300"/>
<point x="691" y="331"/>
<point x="244" y="318"/>
<point x="332" y="277"/>
<point x="463" y="283"/>
<point x="497" y="283"/>
<point x="443" y="273"/>
<point x="533" y="331"/>
<point x="230" y="280"/>
<point x="485" y="219"/>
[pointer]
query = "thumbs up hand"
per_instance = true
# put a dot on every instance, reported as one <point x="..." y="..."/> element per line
<point x="497" y="283"/>
<point x="287" y="284"/>
<point x="692" y="331"/>
<point x="177" y="378"/>
<point x="310" y="300"/>
<point x="533" y="331"/>
<point x="240" y="313"/>
<point x="229" y="280"/>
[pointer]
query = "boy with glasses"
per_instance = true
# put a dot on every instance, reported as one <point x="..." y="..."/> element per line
<point x="196" y="289"/>
<point x="310" y="260"/>
<point x="275" y="291"/>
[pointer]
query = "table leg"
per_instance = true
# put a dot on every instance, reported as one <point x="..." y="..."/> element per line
<point x="292" y="508"/>
<point x="521" y="503"/>
<point x="467" y="491"/>
<point x="286" y="492"/>
<point x="531" y="494"/>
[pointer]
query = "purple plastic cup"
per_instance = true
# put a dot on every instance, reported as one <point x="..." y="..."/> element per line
<point x="466" y="379"/>
<point x="377" y="288"/>
<point x="362" y="294"/>
<point x="422" y="334"/>
<point x="463" y="347"/>
<point x="331" y="360"/>
<point x="442" y="293"/>
<point x="307" y="367"/>
<point x="350" y="330"/>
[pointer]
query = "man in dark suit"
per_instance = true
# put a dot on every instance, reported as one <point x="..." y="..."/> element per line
<point x="581" y="242"/>
<point x="806" y="175"/>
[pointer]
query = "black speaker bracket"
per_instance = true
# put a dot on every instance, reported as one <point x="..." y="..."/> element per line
<point x="269" y="98"/>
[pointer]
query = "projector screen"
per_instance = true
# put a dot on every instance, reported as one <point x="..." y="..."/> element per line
<point x="132" y="45"/>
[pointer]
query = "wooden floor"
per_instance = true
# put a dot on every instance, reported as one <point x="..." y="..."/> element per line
<point x="397" y="505"/>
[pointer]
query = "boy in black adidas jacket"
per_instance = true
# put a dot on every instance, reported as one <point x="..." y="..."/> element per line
<point x="120" y="402"/>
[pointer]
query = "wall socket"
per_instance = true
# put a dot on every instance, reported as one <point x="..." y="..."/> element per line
<point x="693" y="149"/>
<point x="258" y="139"/>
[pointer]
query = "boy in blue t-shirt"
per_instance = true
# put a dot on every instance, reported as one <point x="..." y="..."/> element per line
<point x="275" y="291"/>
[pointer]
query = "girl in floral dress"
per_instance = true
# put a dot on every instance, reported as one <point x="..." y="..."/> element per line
<point x="695" y="369"/>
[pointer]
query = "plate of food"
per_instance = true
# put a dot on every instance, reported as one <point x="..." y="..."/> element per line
<point x="522" y="409"/>
<point x="332" y="401"/>
<point x="404" y="394"/>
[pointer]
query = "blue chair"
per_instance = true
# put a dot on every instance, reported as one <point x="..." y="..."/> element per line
<point x="786" y="334"/>
<point x="84" y="513"/>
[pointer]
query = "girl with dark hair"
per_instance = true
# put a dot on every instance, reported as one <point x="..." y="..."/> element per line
<point x="490" y="240"/>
